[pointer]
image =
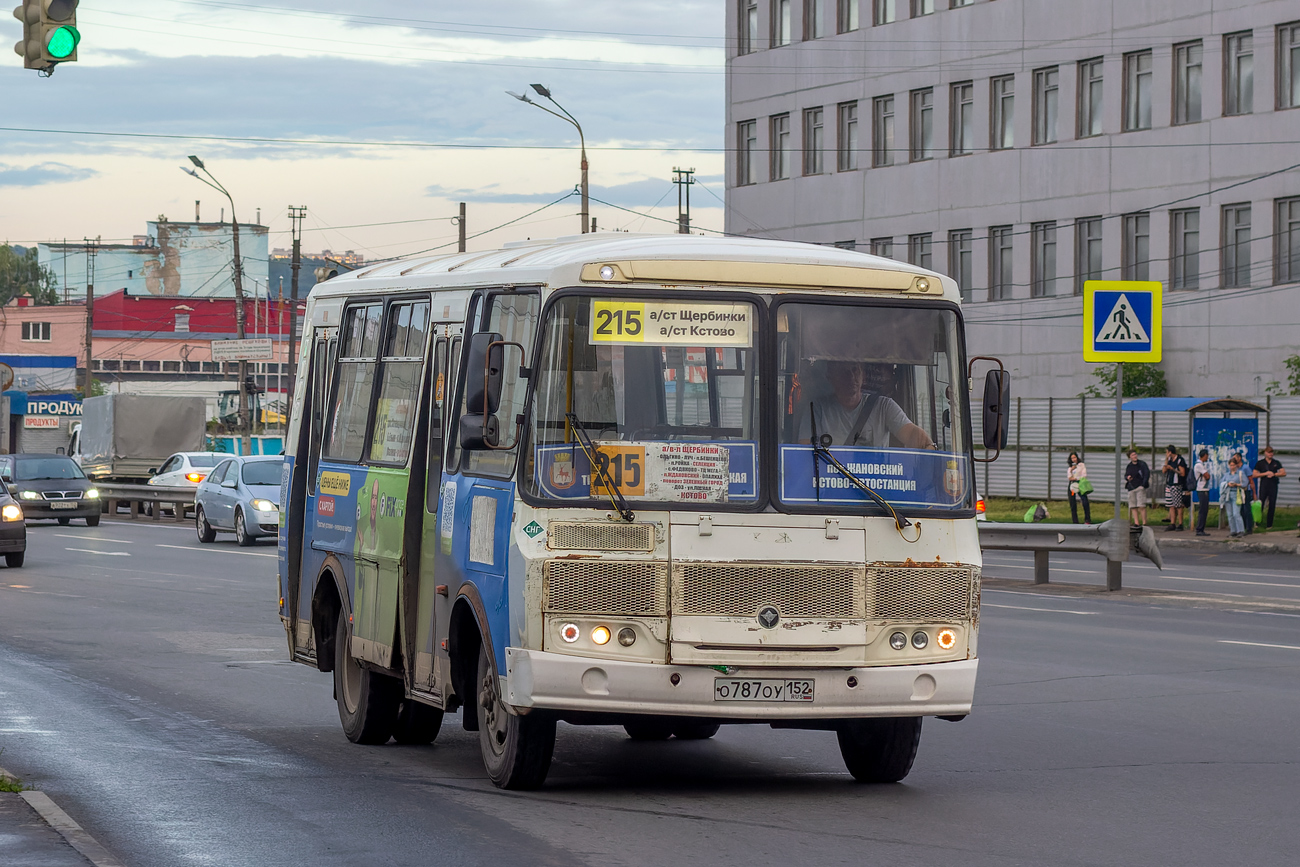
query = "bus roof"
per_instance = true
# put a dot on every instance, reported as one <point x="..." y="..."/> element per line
<point x="615" y="258"/>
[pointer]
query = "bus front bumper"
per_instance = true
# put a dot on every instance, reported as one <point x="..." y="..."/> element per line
<point x="536" y="679"/>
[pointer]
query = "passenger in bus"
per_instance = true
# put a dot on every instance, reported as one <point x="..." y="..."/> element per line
<point x="857" y="412"/>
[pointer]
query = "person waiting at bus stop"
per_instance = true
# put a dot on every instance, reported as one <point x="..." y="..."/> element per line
<point x="1137" y="475"/>
<point x="858" y="413"/>
<point x="1269" y="471"/>
<point x="1080" y="487"/>
<point x="1232" y="495"/>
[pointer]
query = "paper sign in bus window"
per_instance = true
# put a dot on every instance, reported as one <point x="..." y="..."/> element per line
<point x="670" y="323"/>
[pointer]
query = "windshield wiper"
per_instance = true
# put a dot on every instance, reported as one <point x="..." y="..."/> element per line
<point x="821" y="450"/>
<point x="598" y="469"/>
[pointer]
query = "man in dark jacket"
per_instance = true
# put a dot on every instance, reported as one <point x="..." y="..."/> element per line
<point x="1137" y="475"/>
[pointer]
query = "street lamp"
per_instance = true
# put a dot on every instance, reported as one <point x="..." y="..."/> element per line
<point x="544" y="92"/>
<point x="244" y="428"/>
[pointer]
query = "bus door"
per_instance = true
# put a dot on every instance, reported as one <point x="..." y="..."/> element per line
<point x="478" y="491"/>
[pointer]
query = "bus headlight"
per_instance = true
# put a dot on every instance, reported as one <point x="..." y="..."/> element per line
<point x="920" y="640"/>
<point x="570" y="632"/>
<point x="11" y="512"/>
<point x="946" y="639"/>
<point x="627" y="636"/>
<point x="898" y="640"/>
<point x="600" y="635"/>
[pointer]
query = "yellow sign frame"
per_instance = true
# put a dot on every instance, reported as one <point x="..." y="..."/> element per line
<point x="1152" y="288"/>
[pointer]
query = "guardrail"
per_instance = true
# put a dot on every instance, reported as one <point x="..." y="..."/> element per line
<point x="179" y="498"/>
<point x="1112" y="540"/>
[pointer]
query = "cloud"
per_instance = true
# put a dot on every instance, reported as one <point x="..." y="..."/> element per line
<point x="644" y="193"/>
<point x="41" y="174"/>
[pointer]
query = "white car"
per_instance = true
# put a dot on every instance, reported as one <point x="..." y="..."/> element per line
<point x="186" y="469"/>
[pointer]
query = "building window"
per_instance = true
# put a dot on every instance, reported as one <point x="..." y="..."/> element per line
<point x="1087" y="251"/>
<point x="1042" y="259"/>
<point x="779" y="127"/>
<point x="960" y="259"/>
<point x="962" y="126"/>
<point x="1238" y="73"/>
<point x="920" y="250"/>
<point x="1137" y="91"/>
<point x="814" y="141"/>
<point x="748" y="37"/>
<point x="1002" y="127"/>
<point x="1286" y="242"/>
<point x="36" y="331"/>
<point x="1187" y="82"/>
<point x="746" y="147"/>
<point x="884" y="11"/>
<point x="814" y="21"/>
<point x="1090" y="97"/>
<point x="171" y="367"/>
<point x="781" y="23"/>
<point x="846" y="15"/>
<point x="1288" y="65"/>
<point x="1185" y="247"/>
<point x="846" y="147"/>
<point x="1135" y="252"/>
<point x="882" y="247"/>
<point x="1236" y="246"/>
<point x="882" y="131"/>
<point x="1047" y="88"/>
<point x="182" y="322"/>
<point x="922" y="7"/>
<point x="153" y="367"/>
<point x="953" y="4"/>
<point x="922" y="127"/>
<point x="1000" y="263"/>
<point x="846" y="245"/>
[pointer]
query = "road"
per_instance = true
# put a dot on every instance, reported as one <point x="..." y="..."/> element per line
<point x="143" y="685"/>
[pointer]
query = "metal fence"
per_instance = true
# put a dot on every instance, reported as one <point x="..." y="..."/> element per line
<point x="1044" y="430"/>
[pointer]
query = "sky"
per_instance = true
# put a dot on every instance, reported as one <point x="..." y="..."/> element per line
<point x="387" y="111"/>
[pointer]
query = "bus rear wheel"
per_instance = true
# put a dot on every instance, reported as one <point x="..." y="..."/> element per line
<point x="879" y="750"/>
<point x="516" y="749"/>
<point x="368" y="701"/>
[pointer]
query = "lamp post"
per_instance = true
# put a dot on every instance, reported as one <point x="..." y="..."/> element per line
<point x="245" y="432"/>
<point x="544" y="92"/>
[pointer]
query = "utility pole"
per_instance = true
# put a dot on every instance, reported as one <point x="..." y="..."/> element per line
<point x="683" y="179"/>
<point x="460" y="224"/>
<point x="296" y="216"/>
<point x="91" y="250"/>
<point x="245" y="428"/>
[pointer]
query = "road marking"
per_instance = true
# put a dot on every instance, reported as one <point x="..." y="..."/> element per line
<point x="85" y="538"/>
<point x="217" y="550"/>
<point x="1229" y="581"/>
<point x="105" y="553"/>
<point x="1028" y="608"/>
<point x="1258" y="644"/>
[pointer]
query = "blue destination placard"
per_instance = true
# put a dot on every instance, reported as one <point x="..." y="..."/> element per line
<point x="563" y="471"/>
<point x="904" y="477"/>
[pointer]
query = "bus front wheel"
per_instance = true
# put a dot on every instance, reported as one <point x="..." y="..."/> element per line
<point x="516" y="749"/>
<point x="879" y="750"/>
<point x="368" y="701"/>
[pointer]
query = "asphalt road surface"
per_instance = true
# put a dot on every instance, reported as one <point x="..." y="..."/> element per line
<point x="143" y="685"/>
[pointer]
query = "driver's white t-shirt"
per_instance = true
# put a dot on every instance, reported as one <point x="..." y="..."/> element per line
<point x="886" y="418"/>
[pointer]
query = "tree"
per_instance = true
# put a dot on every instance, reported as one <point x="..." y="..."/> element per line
<point x="1292" y="386"/>
<point x="1140" y="380"/>
<point x="21" y="272"/>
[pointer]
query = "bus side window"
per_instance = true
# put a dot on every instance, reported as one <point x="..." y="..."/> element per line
<point x="433" y="478"/>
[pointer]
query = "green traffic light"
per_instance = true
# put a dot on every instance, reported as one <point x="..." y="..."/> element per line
<point x="63" y="41"/>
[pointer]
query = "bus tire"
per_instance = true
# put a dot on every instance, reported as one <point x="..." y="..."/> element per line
<point x="201" y="526"/>
<point x="695" y="731"/>
<point x="417" y="724"/>
<point x="879" y="750"/>
<point x="368" y="701"/>
<point x="516" y="749"/>
<point x="649" y="730"/>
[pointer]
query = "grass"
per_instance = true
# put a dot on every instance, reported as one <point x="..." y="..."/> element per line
<point x="12" y="784"/>
<point x="1012" y="510"/>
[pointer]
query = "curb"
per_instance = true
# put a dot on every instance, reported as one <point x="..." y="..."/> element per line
<point x="78" y="838"/>
<point x="1233" y="545"/>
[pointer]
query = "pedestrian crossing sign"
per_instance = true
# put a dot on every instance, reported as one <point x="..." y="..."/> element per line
<point x="1121" y="320"/>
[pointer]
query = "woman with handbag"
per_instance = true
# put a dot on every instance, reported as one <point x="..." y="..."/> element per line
<point x="1232" y="496"/>
<point x="1080" y="488"/>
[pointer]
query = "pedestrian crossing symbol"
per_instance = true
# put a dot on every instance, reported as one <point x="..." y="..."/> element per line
<point x="1121" y="320"/>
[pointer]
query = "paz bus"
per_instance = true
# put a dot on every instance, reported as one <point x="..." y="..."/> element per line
<point x="659" y="482"/>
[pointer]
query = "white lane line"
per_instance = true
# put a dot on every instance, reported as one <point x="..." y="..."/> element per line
<point x="217" y="550"/>
<point x="86" y="538"/>
<point x="105" y="553"/>
<point x="1028" y="608"/>
<point x="1295" y="586"/>
<point x="1258" y="644"/>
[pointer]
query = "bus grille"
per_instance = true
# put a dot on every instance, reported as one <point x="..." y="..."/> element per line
<point x="922" y="593"/>
<point x="741" y="589"/>
<point x="613" y="587"/>
<point x="593" y="536"/>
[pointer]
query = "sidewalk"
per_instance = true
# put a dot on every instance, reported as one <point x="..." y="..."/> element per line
<point x="34" y="832"/>
<point x="1273" y="542"/>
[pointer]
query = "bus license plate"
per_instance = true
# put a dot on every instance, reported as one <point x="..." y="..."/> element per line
<point x="741" y="689"/>
<point x="63" y="505"/>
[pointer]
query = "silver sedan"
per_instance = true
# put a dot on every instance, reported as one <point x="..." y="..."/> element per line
<point x="241" y="495"/>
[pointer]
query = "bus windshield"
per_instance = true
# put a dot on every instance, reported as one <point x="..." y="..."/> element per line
<point x="877" y="387"/>
<point x="665" y="391"/>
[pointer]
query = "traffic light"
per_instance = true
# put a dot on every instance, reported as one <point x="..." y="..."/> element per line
<point x="50" y="34"/>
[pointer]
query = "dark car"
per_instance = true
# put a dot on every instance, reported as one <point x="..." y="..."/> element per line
<point x="51" y="487"/>
<point x="13" y="530"/>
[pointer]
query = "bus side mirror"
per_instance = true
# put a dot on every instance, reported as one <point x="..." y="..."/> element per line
<point x="479" y="432"/>
<point x="997" y="408"/>
<point x="483" y="374"/>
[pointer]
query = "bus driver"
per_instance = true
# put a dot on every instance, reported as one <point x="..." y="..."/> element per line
<point x="854" y="417"/>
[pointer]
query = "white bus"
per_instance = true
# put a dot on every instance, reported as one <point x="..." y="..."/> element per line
<point x="658" y="482"/>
